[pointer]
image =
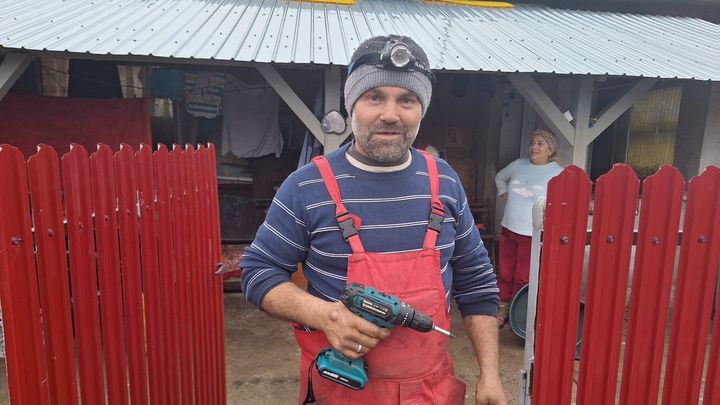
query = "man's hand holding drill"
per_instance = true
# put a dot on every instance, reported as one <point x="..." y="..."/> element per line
<point x="348" y="332"/>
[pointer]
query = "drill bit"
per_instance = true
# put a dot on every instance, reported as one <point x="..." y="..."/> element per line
<point x="443" y="331"/>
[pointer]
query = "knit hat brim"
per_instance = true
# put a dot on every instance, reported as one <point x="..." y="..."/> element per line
<point x="367" y="77"/>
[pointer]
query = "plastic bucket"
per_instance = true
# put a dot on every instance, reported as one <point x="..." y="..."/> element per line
<point x="518" y="317"/>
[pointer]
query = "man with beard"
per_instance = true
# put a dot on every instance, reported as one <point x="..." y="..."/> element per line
<point x="380" y="213"/>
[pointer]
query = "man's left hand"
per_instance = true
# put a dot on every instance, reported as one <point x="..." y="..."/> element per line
<point x="489" y="392"/>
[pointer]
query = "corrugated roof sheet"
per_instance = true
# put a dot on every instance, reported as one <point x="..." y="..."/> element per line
<point x="524" y="38"/>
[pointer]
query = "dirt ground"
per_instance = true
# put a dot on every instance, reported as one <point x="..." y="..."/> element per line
<point x="262" y="359"/>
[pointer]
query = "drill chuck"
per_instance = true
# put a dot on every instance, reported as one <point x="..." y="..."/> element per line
<point x="410" y="318"/>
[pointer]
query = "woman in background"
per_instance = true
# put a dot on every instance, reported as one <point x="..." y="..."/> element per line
<point x="521" y="184"/>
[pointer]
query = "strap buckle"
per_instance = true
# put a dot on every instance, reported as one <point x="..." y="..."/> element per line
<point x="437" y="216"/>
<point x="347" y="226"/>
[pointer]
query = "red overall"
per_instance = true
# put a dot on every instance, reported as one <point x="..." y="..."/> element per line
<point x="408" y="367"/>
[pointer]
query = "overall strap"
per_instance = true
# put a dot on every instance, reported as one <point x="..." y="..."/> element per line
<point x="437" y="213"/>
<point x="344" y="219"/>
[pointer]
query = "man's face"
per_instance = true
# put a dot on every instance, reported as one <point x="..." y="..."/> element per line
<point x="385" y="122"/>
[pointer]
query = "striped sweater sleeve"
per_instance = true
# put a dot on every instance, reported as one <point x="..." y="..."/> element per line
<point x="280" y="244"/>
<point x="474" y="282"/>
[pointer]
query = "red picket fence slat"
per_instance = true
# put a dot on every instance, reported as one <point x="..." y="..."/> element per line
<point x="207" y="271"/>
<point x="559" y="295"/>
<point x="168" y="275"/>
<point x="104" y="199"/>
<point x="654" y="260"/>
<point x="76" y="187"/>
<point x="197" y="310"/>
<point x="612" y="237"/>
<point x="27" y="375"/>
<point x="142" y="247"/>
<point x="199" y="274"/>
<point x="182" y="257"/>
<point x="214" y="221"/>
<point x="712" y="380"/>
<point x="131" y="277"/>
<point x="694" y="292"/>
<point x="150" y="274"/>
<point x="213" y="230"/>
<point x="48" y="215"/>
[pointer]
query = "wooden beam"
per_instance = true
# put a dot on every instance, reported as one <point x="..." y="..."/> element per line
<point x="292" y="100"/>
<point x="333" y="88"/>
<point x="619" y="106"/>
<point x="11" y="68"/>
<point x="582" y="108"/>
<point x="543" y="105"/>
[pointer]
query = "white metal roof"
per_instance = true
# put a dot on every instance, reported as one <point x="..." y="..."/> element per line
<point x="523" y="38"/>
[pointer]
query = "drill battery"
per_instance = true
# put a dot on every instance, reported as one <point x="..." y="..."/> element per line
<point x="342" y="370"/>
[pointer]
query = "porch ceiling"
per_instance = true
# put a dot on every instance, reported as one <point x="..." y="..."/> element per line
<point x="519" y="39"/>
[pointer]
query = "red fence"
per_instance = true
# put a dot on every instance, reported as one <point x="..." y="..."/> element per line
<point x="106" y="276"/>
<point x="602" y="377"/>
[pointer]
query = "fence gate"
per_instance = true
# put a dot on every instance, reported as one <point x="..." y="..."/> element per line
<point x="607" y="374"/>
<point x="106" y="276"/>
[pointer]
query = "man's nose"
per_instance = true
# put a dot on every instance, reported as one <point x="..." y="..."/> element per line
<point x="391" y="112"/>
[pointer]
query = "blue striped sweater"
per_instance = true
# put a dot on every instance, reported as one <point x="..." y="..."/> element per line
<point x="394" y="207"/>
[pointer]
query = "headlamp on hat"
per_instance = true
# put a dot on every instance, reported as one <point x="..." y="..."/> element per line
<point x="395" y="55"/>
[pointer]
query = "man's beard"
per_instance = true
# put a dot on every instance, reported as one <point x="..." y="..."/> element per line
<point x="385" y="151"/>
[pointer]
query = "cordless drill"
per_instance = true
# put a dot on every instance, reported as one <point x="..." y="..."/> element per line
<point x="381" y="309"/>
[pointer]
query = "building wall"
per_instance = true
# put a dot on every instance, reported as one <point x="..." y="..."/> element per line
<point x="457" y="124"/>
<point x="500" y="131"/>
<point x="515" y="112"/>
<point x="710" y="154"/>
<point x="691" y="127"/>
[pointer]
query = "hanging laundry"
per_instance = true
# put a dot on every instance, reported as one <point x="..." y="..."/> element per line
<point x="203" y="93"/>
<point x="250" y="120"/>
<point x="167" y="83"/>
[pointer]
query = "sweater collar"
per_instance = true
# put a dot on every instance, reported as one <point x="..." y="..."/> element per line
<point x="378" y="169"/>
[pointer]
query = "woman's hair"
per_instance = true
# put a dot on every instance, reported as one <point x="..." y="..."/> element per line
<point x="551" y="141"/>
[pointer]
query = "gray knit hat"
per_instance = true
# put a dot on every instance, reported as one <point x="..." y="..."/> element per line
<point x="366" y="77"/>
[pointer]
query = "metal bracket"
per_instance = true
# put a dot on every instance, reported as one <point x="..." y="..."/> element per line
<point x="526" y="380"/>
<point x="333" y="93"/>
